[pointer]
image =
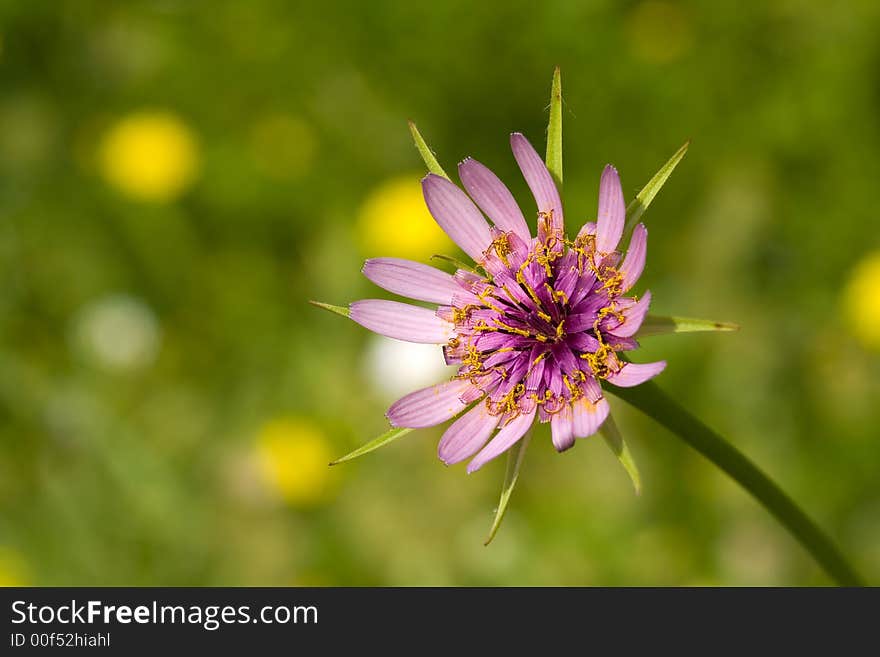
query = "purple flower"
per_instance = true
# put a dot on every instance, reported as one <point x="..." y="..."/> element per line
<point x="536" y="331"/>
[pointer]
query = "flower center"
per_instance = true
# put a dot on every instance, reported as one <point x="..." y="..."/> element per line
<point x="538" y="327"/>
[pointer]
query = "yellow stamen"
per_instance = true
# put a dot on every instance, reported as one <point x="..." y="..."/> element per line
<point x="511" y="329"/>
<point x="482" y="296"/>
<point x="501" y="244"/>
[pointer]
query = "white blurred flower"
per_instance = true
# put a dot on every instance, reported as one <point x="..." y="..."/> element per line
<point x="118" y="333"/>
<point x="396" y="368"/>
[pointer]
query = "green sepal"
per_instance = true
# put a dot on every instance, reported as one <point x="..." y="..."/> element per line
<point x="426" y="153"/>
<point x="643" y="199"/>
<point x="389" y="436"/>
<point x="660" y="325"/>
<point x="339" y="310"/>
<point x="554" y="129"/>
<point x="614" y="440"/>
<point x="453" y="261"/>
<point x="514" y="461"/>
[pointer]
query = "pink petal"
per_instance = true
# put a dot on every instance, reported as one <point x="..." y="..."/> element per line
<point x="509" y="434"/>
<point x="537" y="177"/>
<point x="467" y="435"/>
<point x="634" y="263"/>
<point x="412" y="279"/>
<point x="535" y="373"/>
<point x="401" y="321"/>
<point x="612" y="211"/>
<point x="632" y="374"/>
<point x="457" y="215"/>
<point x="588" y="228"/>
<point x="493" y="197"/>
<point x="577" y="322"/>
<point x="588" y="416"/>
<point x="562" y="429"/>
<point x="583" y="342"/>
<point x="429" y="406"/>
<point x="634" y="316"/>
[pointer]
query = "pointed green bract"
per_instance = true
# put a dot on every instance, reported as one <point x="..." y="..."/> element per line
<point x="614" y="440"/>
<point x="454" y="261"/>
<point x="514" y="461"/>
<point x="426" y="153"/>
<point x="554" y="129"/>
<point x="389" y="436"/>
<point x="643" y="199"/>
<point x="660" y="325"/>
<point x="339" y="310"/>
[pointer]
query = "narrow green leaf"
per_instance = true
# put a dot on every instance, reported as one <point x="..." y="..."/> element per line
<point x="660" y="325"/>
<point x="514" y="461"/>
<point x="387" y="437"/>
<point x="643" y="199"/>
<point x="453" y="261"/>
<point x="339" y="310"/>
<point x="426" y="153"/>
<point x="554" y="129"/>
<point x="614" y="440"/>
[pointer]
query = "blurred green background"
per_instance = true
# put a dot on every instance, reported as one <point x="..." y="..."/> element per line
<point x="178" y="178"/>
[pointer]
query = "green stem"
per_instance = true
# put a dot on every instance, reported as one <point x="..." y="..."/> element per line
<point x="655" y="403"/>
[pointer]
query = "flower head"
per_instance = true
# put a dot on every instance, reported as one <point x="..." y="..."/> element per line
<point x="533" y="328"/>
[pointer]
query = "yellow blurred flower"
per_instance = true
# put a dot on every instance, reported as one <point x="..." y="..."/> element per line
<point x="283" y="146"/>
<point x="151" y="156"/>
<point x="394" y="221"/>
<point x="861" y="301"/>
<point x="294" y="456"/>
<point x="658" y="31"/>
<point x="13" y="570"/>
